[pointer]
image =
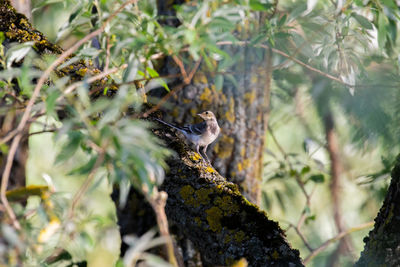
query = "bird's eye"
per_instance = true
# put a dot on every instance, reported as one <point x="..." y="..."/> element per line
<point x="206" y="112"/>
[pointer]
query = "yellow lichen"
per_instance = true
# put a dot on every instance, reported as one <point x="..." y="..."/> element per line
<point x="195" y="157"/>
<point x="249" y="97"/>
<point x="240" y="167"/>
<point x="82" y="71"/>
<point x="224" y="147"/>
<point x="240" y="263"/>
<point x="197" y="220"/>
<point x="226" y="204"/>
<point x="200" y="78"/>
<point x="202" y="195"/>
<point x="209" y="169"/>
<point x="214" y="215"/>
<point x="275" y="255"/>
<point x="206" y="95"/>
<point x="187" y="194"/>
<point x="230" y="114"/>
<point x="193" y="112"/>
<point x="239" y="236"/>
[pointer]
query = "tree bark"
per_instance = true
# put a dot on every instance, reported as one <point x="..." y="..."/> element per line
<point x="382" y="246"/>
<point x="215" y="217"/>
<point x="345" y="246"/>
<point x="241" y="111"/>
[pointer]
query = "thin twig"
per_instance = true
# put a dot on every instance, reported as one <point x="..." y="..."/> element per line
<point x="35" y="94"/>
<point x="181" y="67"/>
<point x="302" y="237"/>
<point x="158" y="201"/>
<point x="107" y="54"/>
<point x="86" y="184"/>
<point x="174" y="91"/>
<point x="336" y="238"/>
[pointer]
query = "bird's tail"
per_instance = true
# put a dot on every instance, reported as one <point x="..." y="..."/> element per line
<point x="170" y="125"/>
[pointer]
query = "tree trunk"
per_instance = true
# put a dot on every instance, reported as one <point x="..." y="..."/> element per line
<point x="241" y="112"/>
<point x="382" y="246"/>
<point x="345" y="246"/>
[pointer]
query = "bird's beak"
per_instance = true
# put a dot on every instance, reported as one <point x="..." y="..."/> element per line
<point x="200" y="115"/>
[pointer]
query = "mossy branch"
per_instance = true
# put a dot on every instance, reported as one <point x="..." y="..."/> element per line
<point x="216" y="217"/>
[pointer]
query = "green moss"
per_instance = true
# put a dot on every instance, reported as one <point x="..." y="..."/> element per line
<point x="275" y="255"/>
<point x="202" y="195"/>
<point x="187" y="194"/>
<point x="239" y="236"/>
<point x="214" y="215"/>
<point x="226" y="204"/>
<point x="197" y="220"/>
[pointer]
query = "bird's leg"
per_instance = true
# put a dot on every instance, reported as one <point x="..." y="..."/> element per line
<point x="198" y="151"/>
<point x="205" y="153"/>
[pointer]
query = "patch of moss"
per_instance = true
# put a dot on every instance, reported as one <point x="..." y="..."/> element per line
<point x="275" y="255"/>
<point x="230" y="113"/>
<point x="239" y="236"/>
<point x="224" y="147"/>
<point x="226" y="204"/>
<point x="206" y="95"/>
<point x="214" y="215"/>
<point x="249" y="97"/>
<point x="187" y="194"/>
<point x="197" y="220"/>
<point x="202" y="195"/>
<point x="200" y="78"/>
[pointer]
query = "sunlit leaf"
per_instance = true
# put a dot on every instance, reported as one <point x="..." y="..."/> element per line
<point x="362" y="20"/>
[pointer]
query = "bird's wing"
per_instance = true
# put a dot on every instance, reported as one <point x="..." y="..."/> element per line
<point x="197" y="129"/>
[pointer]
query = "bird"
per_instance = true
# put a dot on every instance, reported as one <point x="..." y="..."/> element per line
<point x="201" y="134"/>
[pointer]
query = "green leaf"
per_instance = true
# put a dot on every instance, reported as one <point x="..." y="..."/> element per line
<point x="219" y="82"/>
<point x="256" y="5"/>
<point x="152" y="72"/>
<point x="51" y="103"/>
<point x="382" y="22"/>
<point x="306" y="169"/>
<point x="317" y="178"/>
<point x="362" y="21"/>
<point x="84" y="169"/>
<point x="69" y="149"/>
<point x="282" y="20"/>
<point x="163" y="84"/>
<point x="2" y="37"/>
<point x="310" y="218"/>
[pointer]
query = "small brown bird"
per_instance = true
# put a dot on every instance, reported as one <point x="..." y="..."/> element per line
<point x="201" y="134"/>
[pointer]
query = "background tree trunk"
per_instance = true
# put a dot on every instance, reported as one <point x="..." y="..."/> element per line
<point x="23" y="7"/>
<point x="241" y="112"/>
